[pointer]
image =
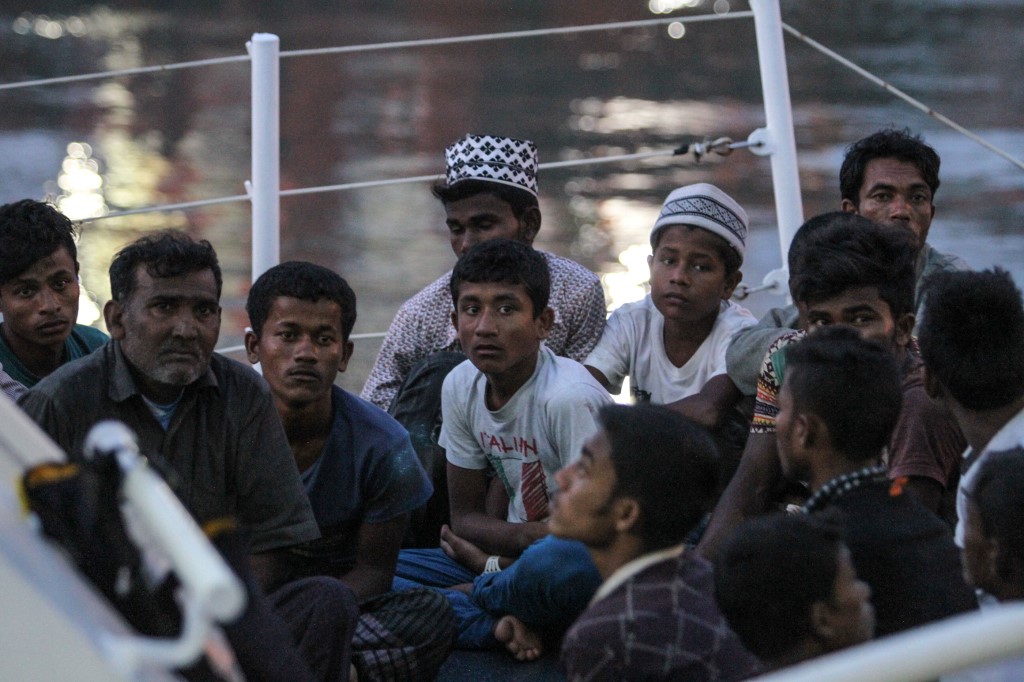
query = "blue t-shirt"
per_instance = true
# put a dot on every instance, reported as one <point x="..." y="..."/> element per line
<point x="367" y="472"/>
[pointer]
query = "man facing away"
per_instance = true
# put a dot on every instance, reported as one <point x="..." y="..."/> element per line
<point x="210" y="418"/>
<point x="514" y="412"/>
<point x="39" y="294"/>
<point x="889" y="177"/>
<point x="489" y="192"/>
<point x="859" y="274"/>
<point x="839" y="403"/>
<point x="641" y="484"/>
<point x="359" y="470"/>
<point x="787" y="585"/>
<point x="972" y="342"/>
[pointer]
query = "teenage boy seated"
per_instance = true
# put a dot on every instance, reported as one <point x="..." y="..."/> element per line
<point x="39" y="294"/>
<point x="672" y="343"/>
<point x="858" y="274"/>
<point x="642" y="483"/>
<point x="787" y="585"/>
<point x="358" y="468"/>
<point x="839" y="404"/>
<point x="517" y="413"/>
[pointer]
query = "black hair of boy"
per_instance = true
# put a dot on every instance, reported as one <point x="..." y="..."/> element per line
<point x="851" y="384"/>
<point x="306" y="282"/>
<point x="972" y="337"/>
<point x="998" y="496"/>
<point x="518" y="199"/>
<point x="505" y="261"/>
<point x="769" y="573"/>
<point x="730" y="258"/>
<point x="169" y="253"/>
<point x="887" y="144"/>
<point x="853" y="252"/>
<point x="666" y="463"/>
<point x="30" y="230"/>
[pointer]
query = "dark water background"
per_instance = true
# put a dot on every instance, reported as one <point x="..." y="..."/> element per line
<point x="124" y="143"/>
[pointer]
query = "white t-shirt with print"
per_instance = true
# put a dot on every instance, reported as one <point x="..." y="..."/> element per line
<point x="633" y="344"/>
<point x="540" y="430"/>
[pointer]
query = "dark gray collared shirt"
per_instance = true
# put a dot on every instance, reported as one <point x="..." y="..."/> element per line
<point x="225" y="441"/>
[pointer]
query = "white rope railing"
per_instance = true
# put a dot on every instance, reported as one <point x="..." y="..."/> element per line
<point x="889" y="87"/>
<point x="569" y="163"/>
<point x="373" y="47"/>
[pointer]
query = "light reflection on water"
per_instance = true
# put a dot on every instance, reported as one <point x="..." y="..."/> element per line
<point x="184" y="135"/>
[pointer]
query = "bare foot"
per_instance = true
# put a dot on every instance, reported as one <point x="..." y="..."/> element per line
<point x="521" y="641"/>
<point x="463" y="551"/>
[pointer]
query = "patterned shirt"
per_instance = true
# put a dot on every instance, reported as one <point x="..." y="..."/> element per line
<point x="423" y="325"/>
<point x="656" y="619"/>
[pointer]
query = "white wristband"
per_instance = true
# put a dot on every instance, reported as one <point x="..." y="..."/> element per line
<point x="492" y="565"/>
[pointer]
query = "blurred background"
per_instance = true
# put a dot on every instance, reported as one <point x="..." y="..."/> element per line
<point x="120" y="143"/>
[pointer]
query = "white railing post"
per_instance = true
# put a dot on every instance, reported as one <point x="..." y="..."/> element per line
<point x="264" y="188"/>
<point x="776" y="139"/>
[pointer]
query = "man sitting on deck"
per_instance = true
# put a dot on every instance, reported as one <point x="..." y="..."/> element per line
<point x="490" y="192"/>
<point x="514" y="413"/>
<point x="357" y="465"/>
<point x="642" y="483"/>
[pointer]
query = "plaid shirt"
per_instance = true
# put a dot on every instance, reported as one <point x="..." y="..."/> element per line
<point x="423" y="325"/>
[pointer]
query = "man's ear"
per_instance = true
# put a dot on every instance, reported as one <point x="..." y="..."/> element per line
<point x="529" y="224"/>
<point x="847" y="206"/>
<point x="627" y="514"/>
<point x="455" y="320"/>
<point x="932" y="386"/>
<point x="545" y="321"/>
<point x="904" y="329"/>
<point x="731" y="282"/>
<point x="346" y="355"/>
<point x="113" y="312"/>
<point x="252" y="346"/>
<point x="808" y="429"/>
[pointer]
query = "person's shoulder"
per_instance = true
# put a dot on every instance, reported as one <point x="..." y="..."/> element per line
<point x="734" y="316"/>
<point x="436" y="291"/>
<point x="566" y="268"/>
<point x="233" y="375"/>
<point x="366" y="418"/>
<point x="70" y="377"/>
<point x="89" y="337"/>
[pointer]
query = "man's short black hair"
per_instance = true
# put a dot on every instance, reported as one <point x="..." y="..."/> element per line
<point x="998" y="494"/>
<point x="890" y="143"/>
<point x="666" y="463"/>
<point x="505" y="261"/>
<point x="168" y="253"/>
<point x="972" y="337"/>
<point x="306" y="282"/>
<point x="30" y="230"/>
<point x="770" y="572"/>
<point x="850" y="252"/>
<point x="851" y="384"/>
<point x="518" y="199"/>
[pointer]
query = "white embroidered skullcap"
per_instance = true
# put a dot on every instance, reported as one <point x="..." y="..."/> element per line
<point x="493" y="159"/>
<point x="704" y="205"/>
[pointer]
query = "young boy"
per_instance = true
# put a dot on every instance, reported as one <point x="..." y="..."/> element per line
<point x="358" y="468"/>
<point x="39" y="293"/>
<point x="672" y="343"/>
<point x="518" y="412"/>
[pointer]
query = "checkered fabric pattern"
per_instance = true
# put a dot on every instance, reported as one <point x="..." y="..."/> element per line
<point x="662" y="623"/>
<point x="504" y="160"/>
